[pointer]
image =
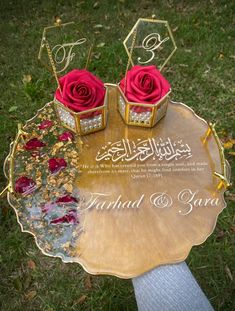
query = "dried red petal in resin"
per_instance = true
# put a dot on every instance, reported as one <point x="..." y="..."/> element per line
<point x="34" y="143"/>
<point x="47" y="207"/>
<point x="66" y="199"/>
<point x="35" y="153"/>
<point x="24" y="185"/>
<point x="56" y="164"/>
<point x="45" y="125"/>
<point x="70" y="218"/>
<point x="65" y="136"/>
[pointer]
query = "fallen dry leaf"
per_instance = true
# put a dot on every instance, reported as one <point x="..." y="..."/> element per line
<point x="221" y="55"/>
<point x="223" y="133"/>
<point x="96" y="5"/>
<point x="82" y="299"/>
<point x="98" y="26"/>
<point x="220" y="235"/>
<point x="31" y="264"/>
<point x="228" y="271"/>
<point x="30" y="295"/>
<point x="57" y="20"/>
<point x="100" y="45"/>
<point x="88" y="284"/>
<point x="232" y="229"/>
<point x="26" y="78"/>
<point x="175" y="29"/>
<point x="229" y="144"/>
<point x="5" y="210"/>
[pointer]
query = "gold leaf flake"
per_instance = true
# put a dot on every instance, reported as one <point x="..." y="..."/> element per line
<point x="74" y="154"/>
<point x="56" y="147"/>
<point x="68" y="187"/>
<point x="66" y="245"/>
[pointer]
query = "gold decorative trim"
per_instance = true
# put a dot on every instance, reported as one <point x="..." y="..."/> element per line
<point x="10" y="158"/>
<point x="223" y="176"/>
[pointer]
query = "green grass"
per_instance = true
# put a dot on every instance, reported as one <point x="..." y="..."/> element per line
<point x="201" y="75"/>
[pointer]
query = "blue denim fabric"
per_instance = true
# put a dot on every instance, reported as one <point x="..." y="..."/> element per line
<point x="170" y="288"/>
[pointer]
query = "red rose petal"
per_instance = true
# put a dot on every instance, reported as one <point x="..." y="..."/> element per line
<point x="35" y="153"/>
<point x="56" y="164"/>
<point x="47" y="207"/>
<point x="34" y="143"/>
<point x="45" y="124"/>
<point x="70" y="218"/>
<point x="65" y="136"/>
<point x="66" y="199"/>
<point x="24" y="185"/>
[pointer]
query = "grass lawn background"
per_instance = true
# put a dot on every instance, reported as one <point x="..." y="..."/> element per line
<point x="201" y="75"/>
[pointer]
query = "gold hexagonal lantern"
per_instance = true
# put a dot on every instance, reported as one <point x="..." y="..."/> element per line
<point x="63" y="48"/>
<point x="85" y="122"/>
<point x="150" y="42"/>
<point x="146" y="115"/>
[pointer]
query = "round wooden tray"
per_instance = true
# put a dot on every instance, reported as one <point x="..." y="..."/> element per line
<point x="144" y="196"/>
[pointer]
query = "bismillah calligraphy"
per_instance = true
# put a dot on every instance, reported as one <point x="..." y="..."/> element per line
<point x="141" y="150"/>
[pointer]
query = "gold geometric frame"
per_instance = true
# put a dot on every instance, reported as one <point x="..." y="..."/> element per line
<point x="150" y="21"/>
<point x="45" y="44"/>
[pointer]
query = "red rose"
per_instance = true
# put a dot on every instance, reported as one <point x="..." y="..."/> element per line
<point x="24" y="185"/>
<point x="144" y="84"/>
<point x="80" y="90"/>
<point x="56" y="164"/>
<point x="33" y="144"/>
